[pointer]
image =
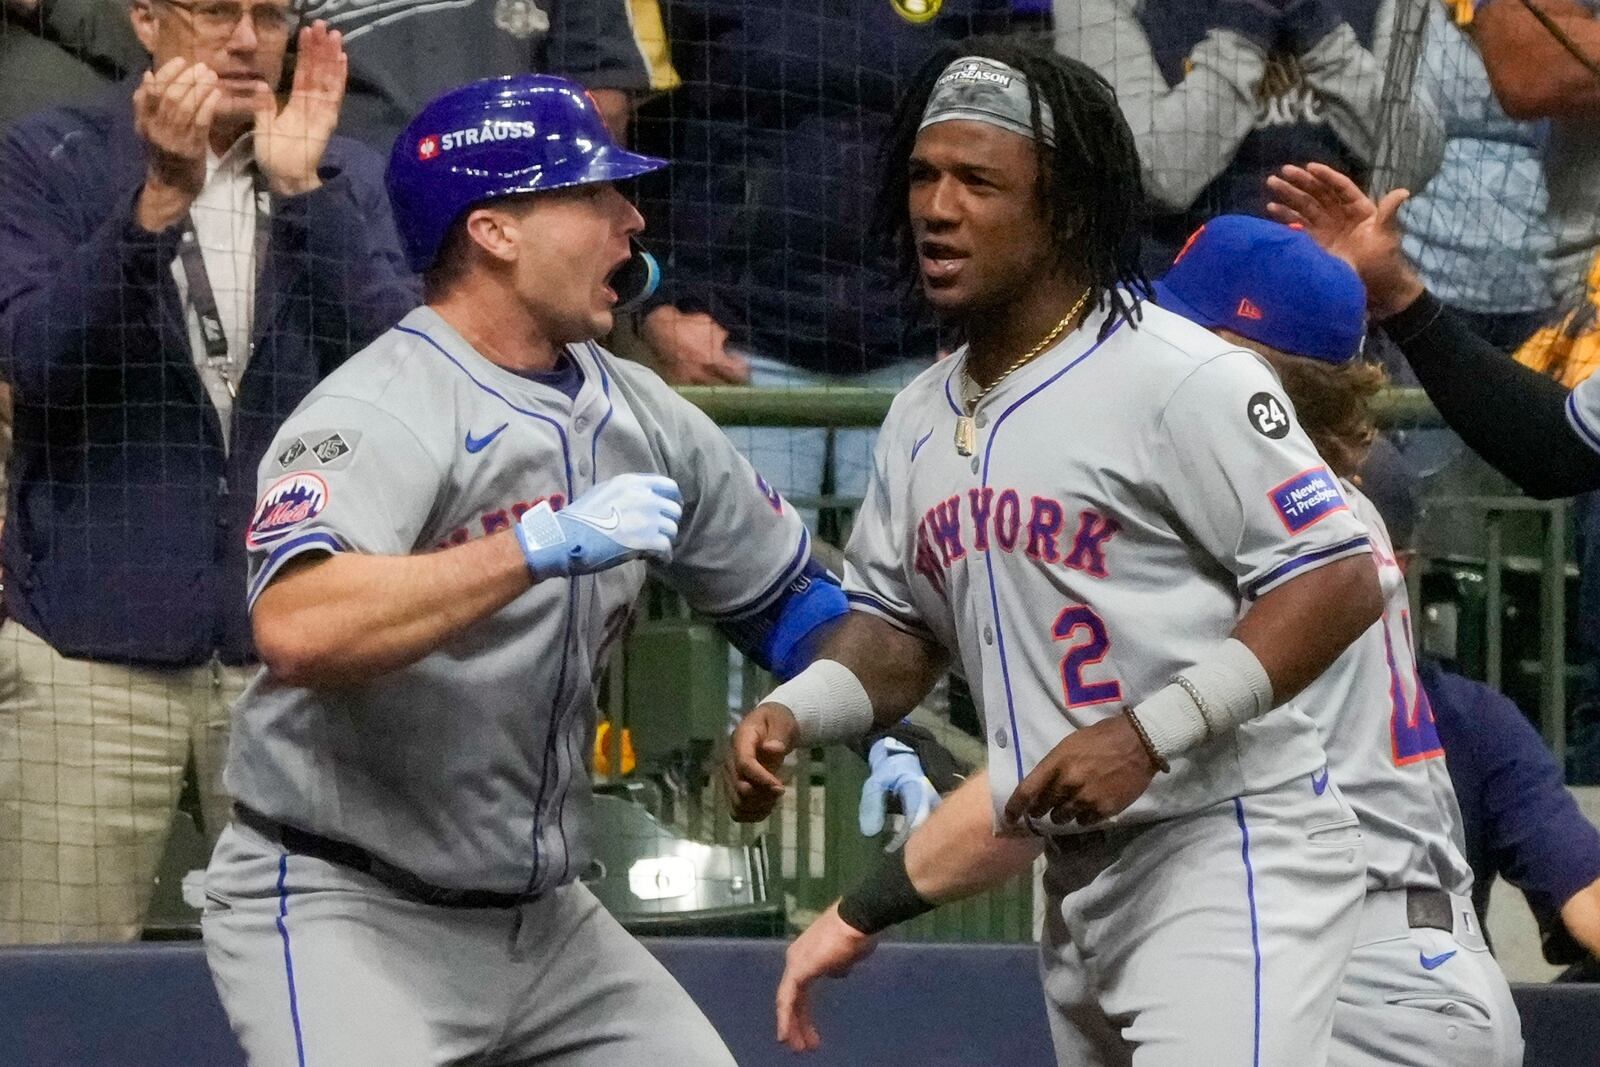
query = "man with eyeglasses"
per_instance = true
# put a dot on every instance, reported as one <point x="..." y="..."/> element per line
<point x="182" y="261"/>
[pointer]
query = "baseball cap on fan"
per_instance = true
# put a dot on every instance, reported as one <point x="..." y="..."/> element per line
<point x="1271" y="283"/>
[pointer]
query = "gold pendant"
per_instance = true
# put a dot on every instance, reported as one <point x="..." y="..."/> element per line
<point x="966" y="435"/>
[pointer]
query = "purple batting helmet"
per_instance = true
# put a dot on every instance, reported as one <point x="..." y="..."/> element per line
<point x="521" y="134"/>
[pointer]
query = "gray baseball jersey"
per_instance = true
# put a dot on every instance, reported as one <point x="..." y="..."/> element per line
<point x="1129" y="495"/>
<point x="1416" y="997"/>
<point x="1383" y="747"/>
<point x="470" y="768"/>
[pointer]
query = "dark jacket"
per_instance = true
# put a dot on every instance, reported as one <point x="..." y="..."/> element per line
<point x="125" y="535"/>
<point x="63" y="51"/>
<point x="764" y="217"/>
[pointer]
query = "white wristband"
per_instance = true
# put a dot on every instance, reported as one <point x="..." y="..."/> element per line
<point x="828" y="702"/>
<point x="1172" y="721"/>
<point x="1211" y="698"/>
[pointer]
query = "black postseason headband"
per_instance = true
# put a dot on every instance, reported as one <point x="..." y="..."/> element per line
<point x="986" y="90"/>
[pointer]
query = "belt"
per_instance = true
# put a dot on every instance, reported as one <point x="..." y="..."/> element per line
<point x="1429" y="909"/>
<point x="1390" y="913"/>
<point x="356" y="858"/>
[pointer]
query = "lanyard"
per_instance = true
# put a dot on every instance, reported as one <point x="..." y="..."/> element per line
<point x="203" y="298"/>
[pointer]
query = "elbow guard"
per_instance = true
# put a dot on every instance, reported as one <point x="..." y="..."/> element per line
<point x="781" y="636"/>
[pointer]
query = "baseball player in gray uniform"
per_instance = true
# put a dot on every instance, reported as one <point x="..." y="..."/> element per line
<point x="1421" y="988"/>
<point x="452" y="531"/>
<point x="1107" y="513"/>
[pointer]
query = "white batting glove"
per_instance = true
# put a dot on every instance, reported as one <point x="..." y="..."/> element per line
<point x="623" y="518"/>
<point x="896" y="771"/>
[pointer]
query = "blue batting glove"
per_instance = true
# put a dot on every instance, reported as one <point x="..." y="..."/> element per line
<point x="897" y="770"/>
<point x="623" y="518"/>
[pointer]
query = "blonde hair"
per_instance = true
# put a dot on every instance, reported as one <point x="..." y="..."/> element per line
<point x="1333" y="402"/>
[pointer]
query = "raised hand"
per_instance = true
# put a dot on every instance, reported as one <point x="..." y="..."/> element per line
<point x="1346" y="222"/>
<point x="289" y="143"/>
<point x="172" y="112"/>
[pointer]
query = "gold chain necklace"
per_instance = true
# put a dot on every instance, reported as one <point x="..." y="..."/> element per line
<point x="966" y="428"/>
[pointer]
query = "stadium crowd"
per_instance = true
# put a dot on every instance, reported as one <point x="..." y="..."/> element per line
<point x="194" y="231"/>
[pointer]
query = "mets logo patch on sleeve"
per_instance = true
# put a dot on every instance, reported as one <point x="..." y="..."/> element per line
<point x="288" y="502"/>
<point x="1307" y="499"/>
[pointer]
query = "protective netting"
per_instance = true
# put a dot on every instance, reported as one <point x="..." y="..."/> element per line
<point x="141" y="410"/>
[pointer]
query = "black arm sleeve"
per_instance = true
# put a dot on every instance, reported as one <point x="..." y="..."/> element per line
<point x="1511" y="415"/>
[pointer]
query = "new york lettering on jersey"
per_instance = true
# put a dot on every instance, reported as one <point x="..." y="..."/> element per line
<point x="1122" y="507"/>
<point x="983" y="518"/>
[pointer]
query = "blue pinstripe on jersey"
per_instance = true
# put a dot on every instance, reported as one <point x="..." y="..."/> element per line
<point x="566" y="644"/>
<point x="564" y="770"/>
<point x="988" y="560"/>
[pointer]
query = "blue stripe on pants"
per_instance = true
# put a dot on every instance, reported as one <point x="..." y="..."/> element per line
<point x="1255" y="931"/>
<point x="288" y="958"/>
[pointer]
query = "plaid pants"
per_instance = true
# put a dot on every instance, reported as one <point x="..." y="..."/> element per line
<point x="91" y="763"/>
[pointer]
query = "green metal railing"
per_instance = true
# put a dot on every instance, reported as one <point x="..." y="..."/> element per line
<point x="845" y="407"/>
<point x="674" y="677"/>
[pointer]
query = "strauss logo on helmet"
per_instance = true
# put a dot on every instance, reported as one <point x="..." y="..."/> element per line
<point x="490" y="131"/>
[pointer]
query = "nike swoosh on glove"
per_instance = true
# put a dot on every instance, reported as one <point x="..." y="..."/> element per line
<point x="631" y="516"/>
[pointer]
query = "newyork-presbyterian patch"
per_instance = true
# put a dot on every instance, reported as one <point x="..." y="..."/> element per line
<point x="1307" y="499"/>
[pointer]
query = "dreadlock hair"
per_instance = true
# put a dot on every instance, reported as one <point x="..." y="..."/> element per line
<point x="1089" y="179"/>
<point x="1332" y="401"/>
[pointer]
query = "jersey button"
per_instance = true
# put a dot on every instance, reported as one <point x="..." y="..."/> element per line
<point x="583" y="467"/>
<point x="988" y="636"/>
<point x="982" y="421"/>
<point x="974" y="464"/>
<point x="581" y="425"/>
<point x="1000" y="737"/>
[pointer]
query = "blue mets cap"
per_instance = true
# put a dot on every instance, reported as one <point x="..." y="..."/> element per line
<point x="1271" y="283"/>
<point x="498" y="137"/>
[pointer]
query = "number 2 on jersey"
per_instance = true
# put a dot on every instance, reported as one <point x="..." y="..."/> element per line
<point x="1090" y="649"/>
<point x="1411" y="723"/>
